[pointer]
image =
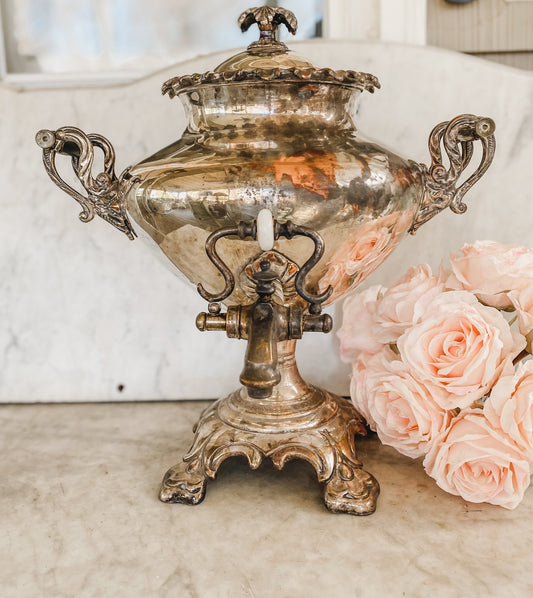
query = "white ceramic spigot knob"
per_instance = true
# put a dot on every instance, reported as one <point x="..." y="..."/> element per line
<point x="265" y="229"/>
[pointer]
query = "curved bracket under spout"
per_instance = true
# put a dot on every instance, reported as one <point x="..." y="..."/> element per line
<point x="249" y="229"/>
<point x="290" y="230"/>
<point x="105" y="192"/>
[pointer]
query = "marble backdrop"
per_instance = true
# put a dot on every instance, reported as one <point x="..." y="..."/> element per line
<point x="86" y="315"/>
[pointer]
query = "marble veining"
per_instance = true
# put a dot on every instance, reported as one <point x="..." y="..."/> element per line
<point x="89" y="316"/>
<point x="80" y="516"/>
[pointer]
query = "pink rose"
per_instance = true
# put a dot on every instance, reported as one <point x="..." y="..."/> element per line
<point x="490" y="270"/>
<point x="474" y="460"/>
<point x="361" y="384"/>
<point x="510" y="407"/>
<point x="404" y="302"/>
<point x="355" y="333"/>
<point x="356" y="258"/>
<point x="402" y="410"/>
<point x="461" y="347"/>
<point x="522" y="301"/>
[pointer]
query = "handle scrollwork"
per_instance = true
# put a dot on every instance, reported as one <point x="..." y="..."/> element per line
<point x="457" y="138"/>
<point x="105" y="192"/>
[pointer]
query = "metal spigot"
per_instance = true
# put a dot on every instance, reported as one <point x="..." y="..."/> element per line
<point x="266" y="326"/>
<point x="264" y="323"/>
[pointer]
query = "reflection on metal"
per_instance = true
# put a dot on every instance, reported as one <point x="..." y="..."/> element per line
<point x="267" y="130"/>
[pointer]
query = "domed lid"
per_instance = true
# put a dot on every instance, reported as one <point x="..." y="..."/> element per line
<point x="268" y="59"/>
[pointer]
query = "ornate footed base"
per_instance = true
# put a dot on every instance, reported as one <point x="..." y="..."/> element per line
<point x="324" y="438"/>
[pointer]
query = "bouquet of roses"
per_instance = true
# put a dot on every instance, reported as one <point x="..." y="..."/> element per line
<point x="440" y="369"/>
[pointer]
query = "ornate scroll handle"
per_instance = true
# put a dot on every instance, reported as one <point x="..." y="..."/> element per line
<point x="268" y="19"/>
<point x="457" y="137"/>
<point x="105" y="192"/>
<point x="288" y="230"/>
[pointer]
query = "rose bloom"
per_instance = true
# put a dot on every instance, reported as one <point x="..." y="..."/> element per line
<point x="474" y="460"/>
<point x="510" y="407"/>
<point x="356" y="258"/>
<point x="361" y="384"/>
<point x="490" y="270"/>
<point x="461" y="347"/>
<point x="522" y="301"/>
<point x="399" y="408"/>
<point x="404" y="302"/>
<point x="355" y="333"/>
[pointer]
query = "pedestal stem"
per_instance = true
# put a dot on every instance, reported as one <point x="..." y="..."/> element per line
<point x="291" y="385"/>
<point x="293" y="404"/>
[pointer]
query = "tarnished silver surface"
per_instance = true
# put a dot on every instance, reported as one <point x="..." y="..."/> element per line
<point x="267" y="130"/>
<point x="309" y="166"/>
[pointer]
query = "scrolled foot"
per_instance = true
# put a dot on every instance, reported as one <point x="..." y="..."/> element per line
<point x="351" y="490"/>
<point x="183" y="486"/>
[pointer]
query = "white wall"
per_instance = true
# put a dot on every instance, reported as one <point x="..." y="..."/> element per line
<point x="83" y="309"/>
<point x="403" y="21"/>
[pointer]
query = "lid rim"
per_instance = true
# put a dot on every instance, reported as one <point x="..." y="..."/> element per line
<point x="354" y="79"/>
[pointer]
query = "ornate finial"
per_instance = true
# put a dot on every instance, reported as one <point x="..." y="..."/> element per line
<point x="268" y="18"/>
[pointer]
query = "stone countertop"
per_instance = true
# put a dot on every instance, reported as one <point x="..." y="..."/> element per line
<point x="80" y="517"/>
